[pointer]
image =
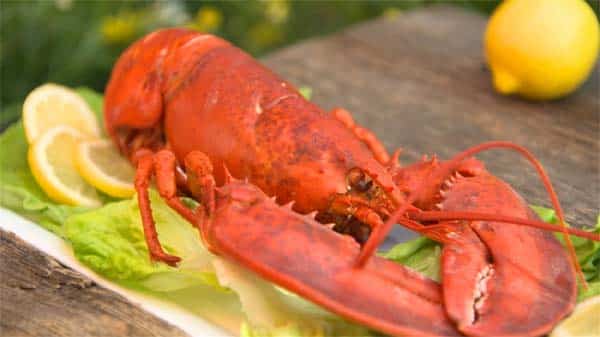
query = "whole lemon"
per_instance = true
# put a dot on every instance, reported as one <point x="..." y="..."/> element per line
<point x="541" y="49"/>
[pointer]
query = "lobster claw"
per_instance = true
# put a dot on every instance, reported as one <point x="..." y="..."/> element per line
<point x="316" y="263"/>
<point x="501" y="278"/>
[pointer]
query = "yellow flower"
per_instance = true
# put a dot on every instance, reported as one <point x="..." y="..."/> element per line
<point x="277" y="11"/>
<point x="265" y="34"/>
<point x="208" y="19"/>
<point x="391" y="13"/>
<point x="120" y="28"/>
<point x="63" y="5"/>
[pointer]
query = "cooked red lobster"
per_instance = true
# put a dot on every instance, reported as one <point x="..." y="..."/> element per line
<point x="180" y="103"/>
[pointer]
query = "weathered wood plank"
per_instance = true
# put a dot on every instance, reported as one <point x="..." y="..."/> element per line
<point x="41" y="297"/>
<point x="420" y="82"/>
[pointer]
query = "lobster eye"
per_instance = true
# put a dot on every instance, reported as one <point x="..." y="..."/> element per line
<point x="358" y="180"/>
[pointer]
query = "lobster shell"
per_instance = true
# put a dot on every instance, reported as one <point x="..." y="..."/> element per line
<point x="183" y="92"/>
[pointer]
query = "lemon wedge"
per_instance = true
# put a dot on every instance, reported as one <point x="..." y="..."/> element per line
<point x="51" y="105"/>
<point x="51" y="161"/>
<point x="584" y="321"/>
<point x="101" y="165"/>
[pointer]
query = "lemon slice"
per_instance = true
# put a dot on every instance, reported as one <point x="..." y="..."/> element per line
<point x="51" y="105"/>
<point x="584" y="321"/>
<point x="101" y="165"/>
<point x="51" y="162"/>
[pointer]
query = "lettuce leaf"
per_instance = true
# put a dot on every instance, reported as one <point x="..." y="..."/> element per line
<point x="306" y="92"/>
<point x="111" y="241"/>
<point x="273" y="312"/>
<point x="421" y="254"/>
<point x="587" y="251"/>
<point x="96" y="101"/>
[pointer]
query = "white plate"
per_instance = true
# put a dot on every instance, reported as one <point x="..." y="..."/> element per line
<point x="54" y="246"/>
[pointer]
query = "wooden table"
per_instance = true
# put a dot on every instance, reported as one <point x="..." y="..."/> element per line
<point x="419" y="81"/>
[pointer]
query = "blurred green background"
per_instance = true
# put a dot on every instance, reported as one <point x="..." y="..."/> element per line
<point x="76" y="42"/>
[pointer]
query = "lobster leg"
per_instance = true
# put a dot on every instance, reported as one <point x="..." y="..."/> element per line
<point x="379" y="151"/>
<point x="144" y="172"/>
<point x="200" y="180"/>
<point x="202" y="186"/>
<point x="166" y="182"/>
<point x="163" y="165"/>
<point x="362" y="217"/>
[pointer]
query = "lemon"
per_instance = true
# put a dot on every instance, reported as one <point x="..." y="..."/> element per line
<point x="584" y="321"/>
<point x="51" y="105"/>
<point x="101" y="165"/>
<point x="541" y="49"/>
<point x="51" y="161"/>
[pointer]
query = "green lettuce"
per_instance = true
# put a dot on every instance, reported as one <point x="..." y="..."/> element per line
<point x="272" y="312"/>
<point x="111" y="241"/>
<point x="587" y="251"/>
<point x="96" y="101"/>
<point x="306" y="92"/>
<point x="421" y="254"/>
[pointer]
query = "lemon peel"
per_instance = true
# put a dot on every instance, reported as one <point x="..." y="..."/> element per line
<point x="541" y="49"/>
<point x="101" y="165"/>
<point x="50" y="105"/>
<point x="51" y="162"/>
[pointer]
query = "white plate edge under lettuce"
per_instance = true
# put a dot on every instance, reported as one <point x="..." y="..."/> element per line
<point x="60" y="250"/>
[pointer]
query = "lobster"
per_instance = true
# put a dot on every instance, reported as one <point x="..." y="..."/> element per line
<point x="194" y="111"/>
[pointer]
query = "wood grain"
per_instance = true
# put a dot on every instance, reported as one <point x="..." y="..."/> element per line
<point x="41" y="297"/>
<point x="418" y="81"/>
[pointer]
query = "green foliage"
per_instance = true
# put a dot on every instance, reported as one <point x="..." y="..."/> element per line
<point x="75" y="43"/>
<point x="421" y="254"/>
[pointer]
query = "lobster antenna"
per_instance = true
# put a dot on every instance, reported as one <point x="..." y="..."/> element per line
<point x="475" y="216"/>
<point x="381" y="232"/>
<point x="227" y="175"/>
<point x="453" y="162"/>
